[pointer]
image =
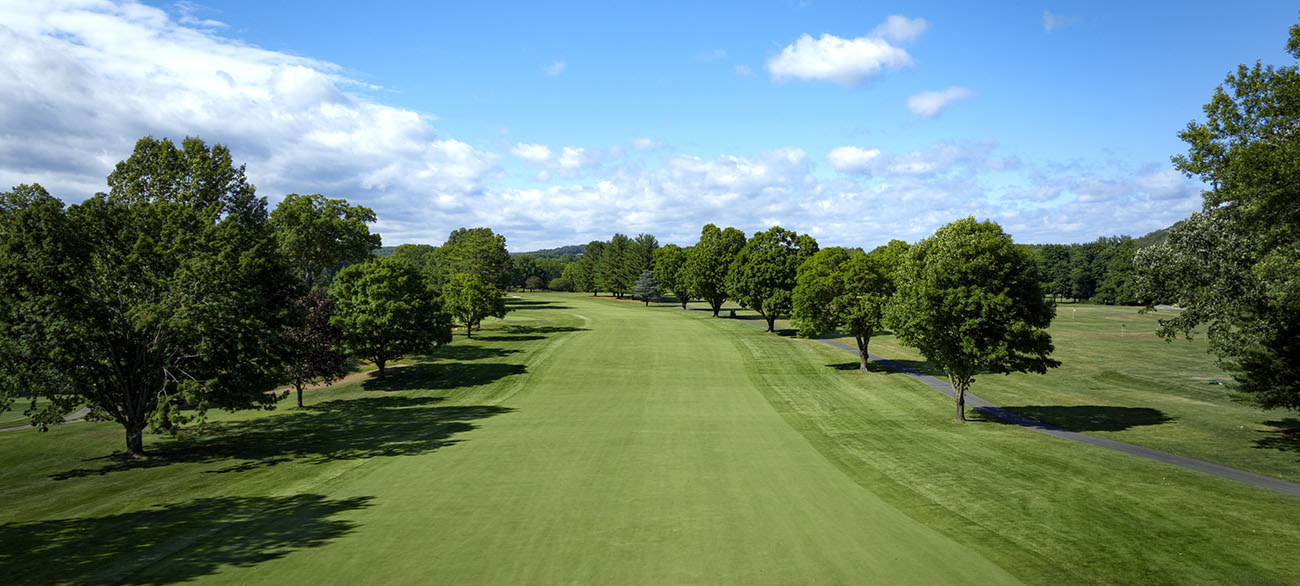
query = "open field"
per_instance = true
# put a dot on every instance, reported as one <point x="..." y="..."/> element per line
<point x="588" y="441"/>
<point x="1127" y="384"/>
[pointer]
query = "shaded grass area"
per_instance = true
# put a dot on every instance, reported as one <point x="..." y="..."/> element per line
<point x="1112" y="359"/>
<point x="248" y="488"/>
<point x="240" y="531"/>
<point x="1048" y="510"/>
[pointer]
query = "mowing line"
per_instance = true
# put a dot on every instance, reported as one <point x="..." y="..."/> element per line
<point x="991" y="410"/>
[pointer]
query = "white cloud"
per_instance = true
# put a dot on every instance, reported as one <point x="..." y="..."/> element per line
<point x="1167" y="183"/>
<point x="930" y="104"/>
<point x="647" y="145"/>
<point x="937" y="158"/>
<point x="900" y="29"/>
<point x="554" y="68"/>
<point x="1053" y="21"/>
<point x="743" y="70"/>
<point x="851" y="159"/>
<point x="847" y="62"/>
<point x="81" y="82"/>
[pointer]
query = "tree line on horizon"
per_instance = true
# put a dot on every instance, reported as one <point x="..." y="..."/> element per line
<point x="178" y="291"/>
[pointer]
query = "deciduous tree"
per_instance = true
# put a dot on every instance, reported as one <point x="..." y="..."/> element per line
<point x="970" y="301"/>
<point x="1235" y="266"/>
<point x="469" y="298"/>
<point x="668" y="269"/>
<point x="386" y="311"/>
<point x="316" y="234"/>
<point x="762" y="276"/>
<point x="150" y="304"/>
<point x="313" y="350"/>
<point x="840" y="288"/>
<point x="705" y="271"/>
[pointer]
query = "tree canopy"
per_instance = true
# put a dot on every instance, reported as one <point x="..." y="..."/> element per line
<point x="1233" y="266"/>
<point x="970" y="301"/>
<point x="668" y="263"/>
<point x="386" y="311"/>
<point x="163" y="295"/>
<point x="840" y="288"/>
<point x="762" y="276"/>
<point x="474" y="250"/>
<point x="469" y="298"/>
<point x="317" y="234"/>
<point x="313" y="351"/>
<point x="705" y="270"/>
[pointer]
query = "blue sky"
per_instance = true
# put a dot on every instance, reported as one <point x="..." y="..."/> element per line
<point x="561" y="123"/>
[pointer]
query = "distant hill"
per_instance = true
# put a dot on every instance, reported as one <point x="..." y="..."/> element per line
<point x="561" y="252"/>
<point x="1157" y="236"/>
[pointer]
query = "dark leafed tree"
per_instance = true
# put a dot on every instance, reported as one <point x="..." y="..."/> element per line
<point x="317" y="234"/>
<point x="668" y="267"/>
<point x="313" y="346"/>
<point x="387" y="311"/>
<point x="578" y="273"/>
<point x="592" y="269"/>
<point x="762" y="276"/>
<point x="645" y="288"/>
<point x="469" y="299"/>
<point x="705" y="271"/>
<point x="176" y="303"/>
<point x="639" y="257"/>
<point x="610" y="267"/>
<point x="844" y="289"/>
<point x="533" y="283"/>
<point x="971" y="302"/>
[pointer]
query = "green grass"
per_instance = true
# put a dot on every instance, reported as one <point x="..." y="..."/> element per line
<point x="15" y="416"/>
<point x="1127" y="384"/>
<point x="594" y="442"/>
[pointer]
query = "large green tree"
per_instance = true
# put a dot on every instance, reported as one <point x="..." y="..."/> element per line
<point x="1235" y="266"/>
<point x="705" y="271"/>
<point x="469" y="298"/>
<point x="317" y="234"/>
<point x="152" y="303"/>
<point x="610" y="268"/>
<point x="474" y="250"/>
<point x="645" y="288"/>
<point x="387" y="311"/>
<point x="844" y="289"/>
<point x="971" y="302"/>
<point x="668" y="264"/>
<point x="762" y="276"/>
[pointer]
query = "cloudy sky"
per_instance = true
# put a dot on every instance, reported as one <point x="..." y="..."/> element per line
<point x="559" y="123"/>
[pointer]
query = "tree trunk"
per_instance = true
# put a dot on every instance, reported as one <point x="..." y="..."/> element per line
<point x="771" y="323"/>
<point x="685" y="301"/>
<point x="862" y="350"/>
<point x="469" y="331"/>
<point x="959" y="392"/>
<point x="298" y="385"/>
<point x="380" y="363"/>
<point x="135" y="440"/>
<point x="717" y="306"/>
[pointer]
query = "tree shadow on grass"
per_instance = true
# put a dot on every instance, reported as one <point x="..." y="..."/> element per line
<point x="345" y="429"/>
<point x="468" y="352"/>
<point x="158" y="545"/>
<point x="518" y="330"/>
<point x="526" y="304"/>
<point x="1086" y="417"/>
<point x="872" y="367"/>
<point x="442" y="376"/>
<point x="1285" y="436"/>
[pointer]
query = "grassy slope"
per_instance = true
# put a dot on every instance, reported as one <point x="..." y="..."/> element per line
<point x="1126" y="384"/>
<point x="628" y="448"/>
